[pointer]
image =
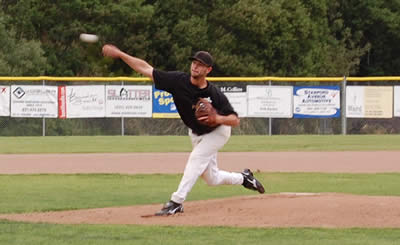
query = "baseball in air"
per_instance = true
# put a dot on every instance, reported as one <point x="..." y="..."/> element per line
<point x="88" y="38"/>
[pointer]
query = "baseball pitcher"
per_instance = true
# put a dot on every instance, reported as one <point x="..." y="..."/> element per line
<point x="207" y="113"/>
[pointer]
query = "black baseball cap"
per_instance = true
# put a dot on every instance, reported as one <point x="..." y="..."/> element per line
<point x="203" y="57"/>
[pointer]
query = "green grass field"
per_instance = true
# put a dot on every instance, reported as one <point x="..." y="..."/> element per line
<point x="27" y="193"/>
<point x="45" y="234"/>
<point x="44" y="192"/>
<point x="100" y="144"/>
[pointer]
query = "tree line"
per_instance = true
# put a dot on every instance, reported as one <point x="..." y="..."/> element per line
<point x="247" y="37"/>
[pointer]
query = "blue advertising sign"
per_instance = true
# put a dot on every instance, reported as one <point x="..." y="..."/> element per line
<point x="316" y="101"/>
<point x="163" y="105"/>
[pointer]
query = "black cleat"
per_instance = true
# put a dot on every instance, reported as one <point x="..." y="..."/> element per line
<point x="250" y="182"/>
<point x="170" y="208"/>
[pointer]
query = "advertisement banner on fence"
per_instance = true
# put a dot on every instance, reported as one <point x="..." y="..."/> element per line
<point x="163" y="105"/>
<point x="369" y="101"/>
<point x="82" y="101"/>
<point x="316" y="101"/>
<point x="396" y="101"/>
<point x="128" y="101"/>
<point x="270" y="101"/>
<point x="34" y="101"/>
<point x="4" y="101"/>
<point x="237" y="96"/>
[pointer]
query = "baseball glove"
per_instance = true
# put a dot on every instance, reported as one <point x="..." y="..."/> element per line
<point x="205" y="113"/>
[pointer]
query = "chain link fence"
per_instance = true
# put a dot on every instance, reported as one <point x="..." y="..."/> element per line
<point x="11" y="126"/>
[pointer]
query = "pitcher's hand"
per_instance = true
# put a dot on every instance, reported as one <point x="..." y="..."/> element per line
<point x="112" y="51"/>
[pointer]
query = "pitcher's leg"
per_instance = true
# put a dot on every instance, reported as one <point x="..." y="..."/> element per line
<point x="214" y="176"/>
<point x="206" y="148"/>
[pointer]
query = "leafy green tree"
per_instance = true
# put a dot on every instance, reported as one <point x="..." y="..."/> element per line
<point x="379" y="22"/>
<point x="257" y="37"/>
<point x="247" y="37"/>
<point x="19" y="57"/>
<point x="57" y="24"/>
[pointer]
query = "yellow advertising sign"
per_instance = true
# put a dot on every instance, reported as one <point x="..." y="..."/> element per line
<point x="378" y="101"/>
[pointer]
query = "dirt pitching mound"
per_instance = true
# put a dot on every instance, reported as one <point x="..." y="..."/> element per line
<point x="274" y="210"/>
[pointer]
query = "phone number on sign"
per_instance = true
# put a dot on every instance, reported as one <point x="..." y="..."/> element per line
<point x="33" y="109"/>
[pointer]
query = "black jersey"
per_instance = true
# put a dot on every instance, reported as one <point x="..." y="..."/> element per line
<point x="186" y="95"/>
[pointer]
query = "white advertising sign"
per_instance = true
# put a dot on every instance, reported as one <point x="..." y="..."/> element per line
<point x="237" y="96"/>
<point x="82" y="101"/>
<point x="270" y="101"/>
<point x="238" y="102"/>
<point x="129" y="101"/>
<point x="34" y="101"/>
<point x="355" y="101"/>
<point x="397" y="101"/>
<point x="4" y="101"/>
<point x="369" y="101"/>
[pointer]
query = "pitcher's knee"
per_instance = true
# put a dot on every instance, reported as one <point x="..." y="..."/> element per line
<point x="210" y="181"/>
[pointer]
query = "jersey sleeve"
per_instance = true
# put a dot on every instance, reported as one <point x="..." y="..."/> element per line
<point x="227" y="108"/>
<point x="165" y="80"/>
<point x="223" y="105"/>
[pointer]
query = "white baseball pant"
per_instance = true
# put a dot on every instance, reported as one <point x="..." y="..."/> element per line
<point x="203" y="162"/>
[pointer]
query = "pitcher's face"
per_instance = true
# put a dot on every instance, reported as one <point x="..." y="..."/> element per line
<point x="198" y="69"/>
